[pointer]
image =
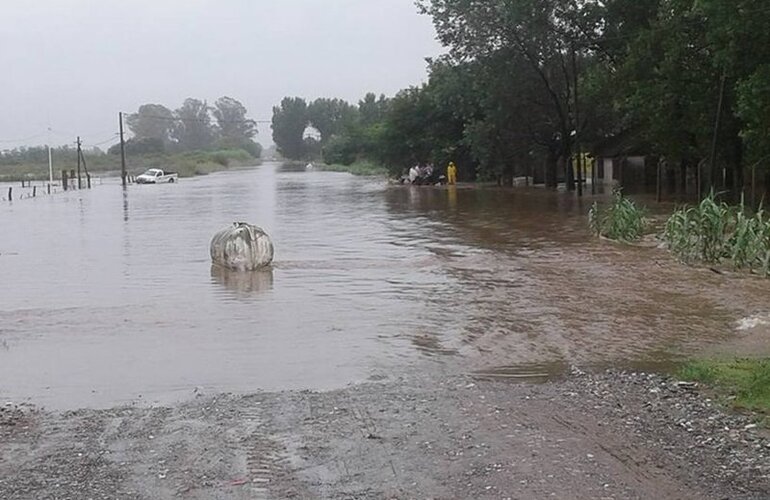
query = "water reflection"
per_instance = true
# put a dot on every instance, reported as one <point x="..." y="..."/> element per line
<point x="243" y="284"/>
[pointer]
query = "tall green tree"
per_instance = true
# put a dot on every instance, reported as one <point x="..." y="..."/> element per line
<point x="290" y="120"/>
<point x="151" y="121"/>
<point x="549" y="36"/>
<point x="232" y="123"/>
<point x="371" y="109"/>
<point x="330" y="116"/>
<point x="193" y="129"/>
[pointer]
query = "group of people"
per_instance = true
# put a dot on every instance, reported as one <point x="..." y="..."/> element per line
<point x="422" y="174"/>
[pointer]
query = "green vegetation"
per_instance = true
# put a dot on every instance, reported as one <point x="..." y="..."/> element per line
<point x="525" y="85"/>
<point x="714" y="233"/>
<point x="362" y="167"/>
<point x="622" y="220"/>
<point x="194" y="162"/>
<point x="185" y="163"/>
<point x="745" y="382"/>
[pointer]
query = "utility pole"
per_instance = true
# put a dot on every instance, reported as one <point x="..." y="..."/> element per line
<point x="579" y="157"/>
<point x="80" y="184"/>
<point x="122" y="151"/>
<point x="712" y="160"/>
<point x="50" y="164"/>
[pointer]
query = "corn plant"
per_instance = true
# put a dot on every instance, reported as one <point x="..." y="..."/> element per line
<point x="622" y="220"/>
<point x="714" y="233"/>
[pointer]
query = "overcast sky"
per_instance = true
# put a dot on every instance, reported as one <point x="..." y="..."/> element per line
<point x="74" y="64"/>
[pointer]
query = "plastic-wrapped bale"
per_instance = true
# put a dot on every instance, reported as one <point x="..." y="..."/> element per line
<point x="242" y="247"/>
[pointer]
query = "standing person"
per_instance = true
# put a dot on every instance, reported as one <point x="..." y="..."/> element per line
<point x="451" y="173"/>
<point x="413" y="174"/>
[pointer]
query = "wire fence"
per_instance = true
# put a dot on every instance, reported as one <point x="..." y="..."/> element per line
<point x="24" y="190"/>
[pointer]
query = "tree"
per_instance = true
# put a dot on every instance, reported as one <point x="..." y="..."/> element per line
<point x="193" y="129"/>
<point x="290" y="120"/>
<point x="151" y="121"/>
<point x="231" y="119"/>
<point x="371" y="110"/>
<point x="549" y="36"/>
<point x="330" y="116"/>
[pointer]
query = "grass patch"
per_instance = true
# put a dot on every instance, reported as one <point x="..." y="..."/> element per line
<point x="622" y="220"/>
<point x="362" y="167"/>
<point x="744" y="382"/>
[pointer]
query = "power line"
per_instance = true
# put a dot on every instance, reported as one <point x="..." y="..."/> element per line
<point x="23" y="138"/>
<point x="197" y="120"/>
<point x="112" y="138"/>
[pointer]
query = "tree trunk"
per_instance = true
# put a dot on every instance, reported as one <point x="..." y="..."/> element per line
<point x="551" y="164"/>
<point x="683" y="177"/>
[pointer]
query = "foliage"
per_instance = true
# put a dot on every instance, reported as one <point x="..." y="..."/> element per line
<point x="622" y="220"/>
<point x="185" y="163"/>
<point x="192" y="127"/>
<point x="713" y="232"/>
<point x="139" y="146"/>
<point x="331" y="117"/>
<point x="232" y="124"/>
<point x="151" y="121"/>
<point x="747" y="380"/>
<point x="290" y="120"/>
<point x="357" y="168"/>
<point x="525" y="83"/>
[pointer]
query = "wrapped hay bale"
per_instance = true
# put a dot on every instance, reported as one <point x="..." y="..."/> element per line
<point x="242" y="247"/>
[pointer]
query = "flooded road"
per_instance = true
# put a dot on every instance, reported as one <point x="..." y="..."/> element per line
<point x="109" y="296"/>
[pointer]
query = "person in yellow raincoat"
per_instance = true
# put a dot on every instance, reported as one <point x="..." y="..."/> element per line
<point x="451" y="173"/>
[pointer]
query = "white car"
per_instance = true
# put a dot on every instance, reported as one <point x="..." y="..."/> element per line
<point x="157" y="176"/>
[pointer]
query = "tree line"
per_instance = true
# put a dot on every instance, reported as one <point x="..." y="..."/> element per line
<point x="194" y="126"/>
<point x="526" y="84"/>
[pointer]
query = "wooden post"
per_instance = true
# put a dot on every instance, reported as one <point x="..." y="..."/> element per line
<point x="80" y="184"/>
<point x="10" y="193"/>
<point x="49" y="188"/>
<point x="64" y="180"/>
<point x="88" y="179"/>
<point x="34" y="191"/>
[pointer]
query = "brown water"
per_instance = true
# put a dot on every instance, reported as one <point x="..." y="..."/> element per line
<point x="108" y="296"/>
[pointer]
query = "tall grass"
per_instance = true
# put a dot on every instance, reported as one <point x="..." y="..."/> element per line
<point x="715" y="233"/>
<point x="621" y="220"/>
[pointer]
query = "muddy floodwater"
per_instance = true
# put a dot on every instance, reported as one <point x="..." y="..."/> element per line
<point x="108" y="296"/>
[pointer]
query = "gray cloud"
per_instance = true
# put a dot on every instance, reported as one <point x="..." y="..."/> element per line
<point x="76" y="63"/>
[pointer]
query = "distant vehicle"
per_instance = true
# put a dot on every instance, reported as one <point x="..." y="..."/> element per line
<point x="157" y="176"/>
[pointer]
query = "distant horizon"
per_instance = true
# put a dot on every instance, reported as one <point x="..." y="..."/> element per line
<point x="74" y="73"/>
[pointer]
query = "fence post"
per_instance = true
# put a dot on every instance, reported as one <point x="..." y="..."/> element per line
<point x="49" y="188"/>
<point x="88" y="180"/>
<point x="10" y="193"/>
<point x="34" y="191"/>
<point x="64" y="180"/>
